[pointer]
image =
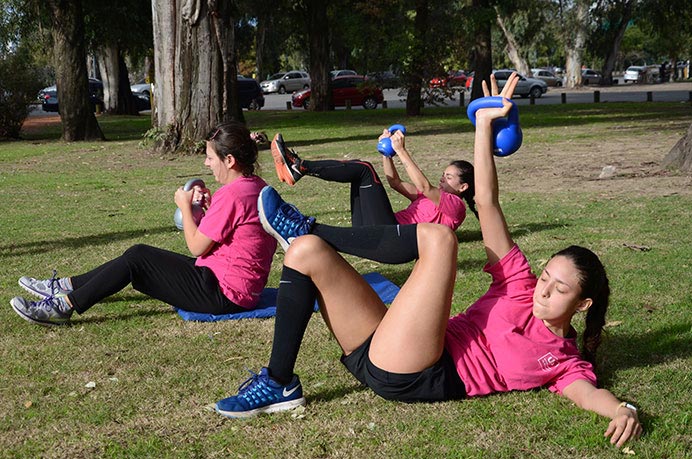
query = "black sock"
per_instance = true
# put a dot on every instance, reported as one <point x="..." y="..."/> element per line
<point x="295" y="304"/>
<point x="393" y="244"/>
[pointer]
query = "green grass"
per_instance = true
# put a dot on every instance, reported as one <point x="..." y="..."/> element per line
<point x="74" y="206"/>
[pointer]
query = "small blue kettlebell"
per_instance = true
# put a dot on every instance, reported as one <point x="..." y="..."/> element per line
<point x="384" y="146"/>
<point x="506" y="131"/>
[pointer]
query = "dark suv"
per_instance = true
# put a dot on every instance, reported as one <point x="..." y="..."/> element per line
<point x="250" y="93"/>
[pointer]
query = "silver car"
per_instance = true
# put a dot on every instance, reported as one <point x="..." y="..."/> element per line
<point x="526" y="87"/>
<point x="286" y="82"/>
<point x="547" y="76"/>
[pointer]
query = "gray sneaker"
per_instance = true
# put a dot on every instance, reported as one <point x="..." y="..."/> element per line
<point x="48" y="312"/>
<point x="43" y="288"/>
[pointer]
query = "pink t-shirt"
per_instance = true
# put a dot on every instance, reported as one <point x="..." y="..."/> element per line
<point x="498" y="345"/>
<point x="243" y="252"/>
<point x="450" y="212"/>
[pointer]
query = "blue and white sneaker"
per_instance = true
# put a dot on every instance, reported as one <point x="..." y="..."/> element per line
<point x="48" y="312"/>
<point x="260" y="394"/>
<point x="43" y="288"/>
<point x="281" y="219"/>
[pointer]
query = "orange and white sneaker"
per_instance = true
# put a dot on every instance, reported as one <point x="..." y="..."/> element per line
<point x="286" y="161"/>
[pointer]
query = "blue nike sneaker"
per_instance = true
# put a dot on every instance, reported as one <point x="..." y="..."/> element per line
<point x="260" y="394"/>
<point x="281" y="219"/>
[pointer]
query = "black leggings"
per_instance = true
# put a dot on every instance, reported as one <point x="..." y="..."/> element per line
<point x="369" y="201"/>
<point x="167" y="276"/>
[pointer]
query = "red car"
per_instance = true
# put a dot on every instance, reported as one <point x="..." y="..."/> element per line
<point x="355" y="88"/>
<point x="457" y="78"/>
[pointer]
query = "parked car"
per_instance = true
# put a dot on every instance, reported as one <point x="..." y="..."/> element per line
<point x="547" y="76"/>
<point x="141" y="87"/>
<point x="526" y="87"/>
<point x="589" y="76"/>
<point x="355" y="88"/>
<point x="453" y="78"/>
<point x="250" y="93"/>
<point x="286" y="82"/>
<point x="385" y="79"/>
<point x="49" y="96"/>
<point x="635" y="74"/>
<point x="336" y="73"/>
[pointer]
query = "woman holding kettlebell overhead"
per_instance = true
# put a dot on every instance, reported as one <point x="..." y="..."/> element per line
<point x="231" y="255"/>
<point x="369" y="201"/>
<point x="517" y="336"/>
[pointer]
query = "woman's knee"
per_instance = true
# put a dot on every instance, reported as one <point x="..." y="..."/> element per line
<point x="137" y="251"/>
<point x="433" y="237"/>
<point x="306" y="252"/>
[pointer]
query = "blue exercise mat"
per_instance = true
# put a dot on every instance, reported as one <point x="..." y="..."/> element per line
<point x="385" y="288"/>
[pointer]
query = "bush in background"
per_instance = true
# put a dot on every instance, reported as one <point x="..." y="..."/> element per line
<point x="20" y="81"/>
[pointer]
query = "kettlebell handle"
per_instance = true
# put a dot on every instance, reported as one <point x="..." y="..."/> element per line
<point x="384" y="146"/>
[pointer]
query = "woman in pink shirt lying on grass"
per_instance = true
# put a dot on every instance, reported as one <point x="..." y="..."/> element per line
<point x="441" y="203"/>
<point x="517" y="336"/>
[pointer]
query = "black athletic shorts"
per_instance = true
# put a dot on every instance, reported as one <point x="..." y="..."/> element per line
<point x="437" y="383"/>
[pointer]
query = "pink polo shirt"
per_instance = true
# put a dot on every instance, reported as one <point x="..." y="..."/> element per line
<point x="243" y="253"/>
<point x="450" y="212"/>
<point x="498" y="345"/>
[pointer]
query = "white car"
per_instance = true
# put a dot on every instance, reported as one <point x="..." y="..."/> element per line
<point x="635" y="74"/>
<point x="286" y="82"/>
<point x="141" y="87"/>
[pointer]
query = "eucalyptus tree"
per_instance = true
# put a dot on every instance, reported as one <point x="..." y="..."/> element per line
<point x="574" y="20"/>
<point x="66" y="22"/>
<point x="127" y="31"/>
<point x="196" y="70"/>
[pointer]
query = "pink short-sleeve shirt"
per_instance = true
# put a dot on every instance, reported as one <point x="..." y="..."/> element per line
<point x="243" y="253"/>
<point x="498" y="345"/>
<point x="450" y="212"/>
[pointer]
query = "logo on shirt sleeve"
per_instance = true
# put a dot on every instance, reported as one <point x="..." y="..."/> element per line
<point x="547" y="362"/>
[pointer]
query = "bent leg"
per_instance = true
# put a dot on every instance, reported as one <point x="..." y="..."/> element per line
<point x="369" y="201"/>
<point x="415" y="324"/>
<point x="350" y="307"/>
<point x="167" y="276"/>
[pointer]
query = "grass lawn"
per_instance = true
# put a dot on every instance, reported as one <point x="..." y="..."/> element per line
<point x="130" y="379"/>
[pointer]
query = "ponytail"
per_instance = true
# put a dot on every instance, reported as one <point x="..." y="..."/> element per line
<point x="466" y="174"/>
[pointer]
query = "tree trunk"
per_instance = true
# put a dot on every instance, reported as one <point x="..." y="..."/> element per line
<point x="126" y="102"/>
<point x="618" y="32"/>
<point x="318" y="31"/>
<point x="575" y="38"/>
<point x="110" y="76"/>
<point x="414" y="103"/>
<point x="482" y="50"/>
<point x="193" y="65"/>
<point x="69" y="54"/>
<point x="513" y="49"/>
<point x="680" y="156"/>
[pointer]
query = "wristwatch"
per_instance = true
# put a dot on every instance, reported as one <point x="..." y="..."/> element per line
<point x="629" y="406"/>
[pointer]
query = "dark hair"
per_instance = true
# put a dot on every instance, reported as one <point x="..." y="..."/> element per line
<point x="233" y="138"/>
<point x="593" y="281"/>
<point x="466" y="172"/>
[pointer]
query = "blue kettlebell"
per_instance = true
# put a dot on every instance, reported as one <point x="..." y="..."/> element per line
<point x="384" y="146"/>
<point x="506" y="131"/>
<point x="197" y="209"/>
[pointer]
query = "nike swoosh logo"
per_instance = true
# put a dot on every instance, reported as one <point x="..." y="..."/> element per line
<point x="286" y="393"/>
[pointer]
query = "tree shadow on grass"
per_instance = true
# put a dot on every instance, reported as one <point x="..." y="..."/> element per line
<point x="336" y="393"/>
<point x="47" y="245"/>
<point x="655" y="348"/>
<point x="88" y="319"/>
